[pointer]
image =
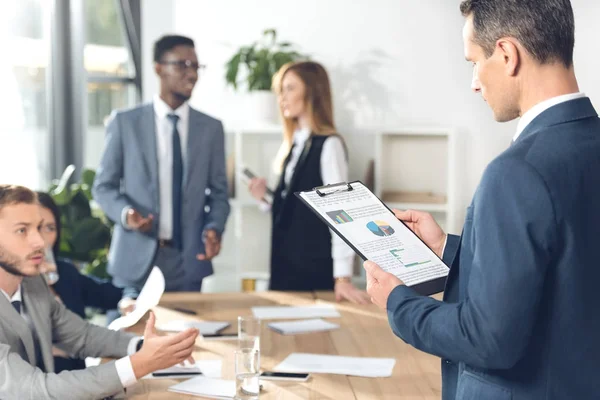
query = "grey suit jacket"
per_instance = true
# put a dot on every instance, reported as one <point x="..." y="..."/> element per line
<point x="128" y="176"/>
<point x="54" y="324"/>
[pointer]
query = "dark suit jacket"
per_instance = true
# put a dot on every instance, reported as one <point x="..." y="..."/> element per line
<point x="520" y="314"/>
<point x="77" y="292"/>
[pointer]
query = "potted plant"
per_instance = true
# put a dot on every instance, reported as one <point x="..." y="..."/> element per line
<point x="85" y="230"/>
<point x="257" y="63"/>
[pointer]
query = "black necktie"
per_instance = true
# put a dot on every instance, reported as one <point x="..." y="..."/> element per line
<point x="177" y="182"/>
<point x="17" y="305"/>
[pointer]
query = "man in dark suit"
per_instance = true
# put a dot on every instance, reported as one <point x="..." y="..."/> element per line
<point x="161" y="163"/>
<point x="520" y="316"/>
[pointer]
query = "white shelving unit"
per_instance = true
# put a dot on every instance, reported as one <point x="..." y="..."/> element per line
<point x="414" y="169"/>
<point x="248" y="230"/>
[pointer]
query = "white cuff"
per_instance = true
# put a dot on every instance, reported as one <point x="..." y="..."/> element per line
<point x="343" y="266"/>
<point x="124" y="216"/>
<point x="132" y="346"/>
<point x="125" y="372"/>
<point x="264" y="207"/>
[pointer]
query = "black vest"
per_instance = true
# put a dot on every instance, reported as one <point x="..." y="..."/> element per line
<point x="301" y="242"/>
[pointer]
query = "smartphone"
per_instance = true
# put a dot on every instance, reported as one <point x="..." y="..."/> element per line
<point x="284" y="376"/>
<point x="249" y="175"/>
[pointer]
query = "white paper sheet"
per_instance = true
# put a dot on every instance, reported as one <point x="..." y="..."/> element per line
<point x="207" y="387"/>
<point x="296" y="312"/>
<point x="209" y="369"/>
<point x="326" y="364"/>
<point x="205" y="327"/>
<point x="149" y="297"/>
<point x="302" y="326"/>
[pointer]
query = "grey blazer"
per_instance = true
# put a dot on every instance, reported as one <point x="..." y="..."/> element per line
<point x="19" y="379"/>
<point x="128" y="176"/>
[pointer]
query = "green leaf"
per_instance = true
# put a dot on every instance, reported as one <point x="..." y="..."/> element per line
<point x="232" y="69"/>
<point x="88" y="176"/>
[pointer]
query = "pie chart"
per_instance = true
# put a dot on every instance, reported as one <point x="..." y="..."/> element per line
<point x="380" y="228"/>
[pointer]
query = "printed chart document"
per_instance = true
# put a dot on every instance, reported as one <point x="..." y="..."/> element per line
<point x="325" y="364"/>
<point x="206" y="387"/>
<point x="373" y="231"/>
<point x="302" y="326"/>
<point x="296" y="312"/>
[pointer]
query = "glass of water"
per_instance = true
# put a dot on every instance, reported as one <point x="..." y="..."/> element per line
<point x="247" y="369"/>
<point x="50" y="271"/>
<point x="249" y="333"/>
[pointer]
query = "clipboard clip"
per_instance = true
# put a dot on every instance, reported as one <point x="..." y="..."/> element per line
<point x="326" y="190"/>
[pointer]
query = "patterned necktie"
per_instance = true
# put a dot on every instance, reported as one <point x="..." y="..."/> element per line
<point x="177" y="182"/>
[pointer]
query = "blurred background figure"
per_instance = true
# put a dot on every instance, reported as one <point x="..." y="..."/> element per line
<point x="304" y="254"/>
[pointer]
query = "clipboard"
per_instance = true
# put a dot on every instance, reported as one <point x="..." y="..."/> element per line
<point x="426" y="288"/>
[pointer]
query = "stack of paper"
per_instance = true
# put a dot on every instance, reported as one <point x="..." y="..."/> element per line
<point x="208" y="368"/>
<point x="302" y="326"/>
<point x="207" y="387"/>
<point x="205" y="327"/>
<point x="287" y="312"/>
<point x="356" y="366"/>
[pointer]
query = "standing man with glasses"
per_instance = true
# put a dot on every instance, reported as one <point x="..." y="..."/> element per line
<point x="162" y="163"/>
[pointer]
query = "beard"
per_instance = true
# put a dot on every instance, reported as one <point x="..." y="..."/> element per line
<point x="10" y="263"/>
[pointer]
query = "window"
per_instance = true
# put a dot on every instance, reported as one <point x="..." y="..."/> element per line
<point x="111" y="73"/>
<point x="24" y="137"/>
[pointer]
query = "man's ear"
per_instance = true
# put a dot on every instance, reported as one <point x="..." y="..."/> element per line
<point x="511" y="55"/>
<point x="158" y="69"/>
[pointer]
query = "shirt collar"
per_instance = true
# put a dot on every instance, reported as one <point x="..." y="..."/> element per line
<point x="162" y="109"/>
<point x="300" y="135"/>
<point x="539" y="108"/>
<point x="16" y="297"/>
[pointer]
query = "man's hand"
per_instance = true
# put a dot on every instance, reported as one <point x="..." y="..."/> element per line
<point x="212" y="245"/>
<point x="347" y="291"/>
<point x="159" y="352"/>
<point x="137" y="222"/>
<point x="425" y="227"/>
<point x="380" y="284"/>
<point x="258" y="188"/>
<point x="126" y="305"/>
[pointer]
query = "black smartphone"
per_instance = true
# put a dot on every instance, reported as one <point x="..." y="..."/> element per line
<point x="284" y="376"/>
<point x="249" y="175"/>
<point x="182" y="373"/>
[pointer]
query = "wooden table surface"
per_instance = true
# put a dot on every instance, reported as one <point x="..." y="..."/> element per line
<point x="364" y="332"/>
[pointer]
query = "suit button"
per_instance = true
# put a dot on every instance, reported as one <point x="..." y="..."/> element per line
<point x="447" y="362"/>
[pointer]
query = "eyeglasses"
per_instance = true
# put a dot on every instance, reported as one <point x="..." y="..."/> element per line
<point x="183" y="65"/>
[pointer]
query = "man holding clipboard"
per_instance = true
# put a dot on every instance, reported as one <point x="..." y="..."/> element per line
<point x="520" y="316"/>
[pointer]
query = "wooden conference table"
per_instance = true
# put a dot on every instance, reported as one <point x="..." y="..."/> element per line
<point x="364" y="332"/>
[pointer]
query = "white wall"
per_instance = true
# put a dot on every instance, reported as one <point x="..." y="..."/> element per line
<point x="393" y="63"/>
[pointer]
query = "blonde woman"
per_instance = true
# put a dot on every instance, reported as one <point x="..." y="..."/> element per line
<point x="305" y="255"/>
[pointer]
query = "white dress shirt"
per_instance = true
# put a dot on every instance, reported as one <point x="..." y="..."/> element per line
<point x="539" y="108"/>
<point x="164" y="152"/>
<point x="334" y="169"/>
<point x="123" y="365"/>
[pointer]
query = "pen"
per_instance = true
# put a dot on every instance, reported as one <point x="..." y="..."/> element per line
<point x="184" y="310"/>
<point x="176" y="373"/>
